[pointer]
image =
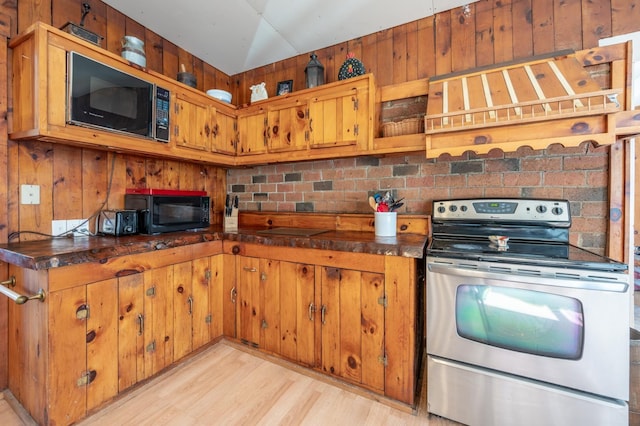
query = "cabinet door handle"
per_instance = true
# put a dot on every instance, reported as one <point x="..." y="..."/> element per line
<point x="233" y="295"/>
<point x="312" y="309"/>
<point x="190" y="302"/>
<point x="323" y="311"/>
<point x="140" y="324"/>
<point x="248" y="269"/>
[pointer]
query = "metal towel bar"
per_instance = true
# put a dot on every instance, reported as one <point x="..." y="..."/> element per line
<point x="17" y="297"/>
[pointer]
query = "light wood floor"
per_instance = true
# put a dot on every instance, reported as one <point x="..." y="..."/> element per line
<point x="227" y="385"/>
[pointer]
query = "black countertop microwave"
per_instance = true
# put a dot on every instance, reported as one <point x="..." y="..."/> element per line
<point x="100" y="96"/>
<point x="168" y="210"/>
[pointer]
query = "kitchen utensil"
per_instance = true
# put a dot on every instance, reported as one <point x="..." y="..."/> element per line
<point x="230" y="222"/>
<point x="373" y="204"/>
<point x="383" y="207"/>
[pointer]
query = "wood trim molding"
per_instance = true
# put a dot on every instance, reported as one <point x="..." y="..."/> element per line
<point x="410" y="223"/>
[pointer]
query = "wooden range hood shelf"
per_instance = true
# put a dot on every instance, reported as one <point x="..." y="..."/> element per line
<point x="565" y="98"/>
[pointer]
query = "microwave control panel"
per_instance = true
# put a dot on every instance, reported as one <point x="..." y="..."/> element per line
<point x="162" y="114"/>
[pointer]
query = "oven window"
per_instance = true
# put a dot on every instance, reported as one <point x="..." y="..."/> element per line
<point x="521" y="320"/>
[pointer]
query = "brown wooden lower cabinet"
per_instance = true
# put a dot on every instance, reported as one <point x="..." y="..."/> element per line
<point x="106" y="327"/>
<point x="352" y="324"/>
<point x="275" y="304"/>
<point x="349" y="315"/>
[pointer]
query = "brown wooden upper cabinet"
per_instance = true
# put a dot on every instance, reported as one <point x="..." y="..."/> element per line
<point x="198" y="125"/>
<point x="335" y="119"/>
<point x="252" y="132"/>
<point x="201" y="128"/>
<point x="287" y="126"/>
<point x="191" y="127"/>
<point x="331" y="121"/>
<point x="223" y="130"/>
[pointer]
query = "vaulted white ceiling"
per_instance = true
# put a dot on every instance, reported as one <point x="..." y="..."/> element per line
<point x="239" y="35"/>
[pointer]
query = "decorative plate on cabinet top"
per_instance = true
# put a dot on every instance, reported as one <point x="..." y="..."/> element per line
<point x="352" y="67"/>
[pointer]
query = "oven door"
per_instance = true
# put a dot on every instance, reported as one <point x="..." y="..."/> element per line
<point x="554" y="325"/>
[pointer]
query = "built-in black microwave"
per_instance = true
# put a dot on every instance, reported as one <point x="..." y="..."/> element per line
<point x="104" y="97"/>
<point x="161" y="210"/>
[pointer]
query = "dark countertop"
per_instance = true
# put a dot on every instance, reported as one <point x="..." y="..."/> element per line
<point x="58" y="252"/>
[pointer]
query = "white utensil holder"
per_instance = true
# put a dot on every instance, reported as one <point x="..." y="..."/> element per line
<point x="385" y="224"/>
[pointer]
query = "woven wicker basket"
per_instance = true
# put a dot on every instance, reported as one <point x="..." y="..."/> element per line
<point x="408" y="126"/>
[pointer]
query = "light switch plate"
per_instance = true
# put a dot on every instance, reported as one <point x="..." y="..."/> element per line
<point x="30" y="194"/>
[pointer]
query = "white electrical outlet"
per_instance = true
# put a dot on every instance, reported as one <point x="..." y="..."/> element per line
<point x="30" y="194"/>
<point x="82" y="226"/>
<point x="58" y="227"/>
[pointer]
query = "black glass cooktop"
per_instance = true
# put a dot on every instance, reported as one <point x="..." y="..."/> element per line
<point x="522" y="252"/>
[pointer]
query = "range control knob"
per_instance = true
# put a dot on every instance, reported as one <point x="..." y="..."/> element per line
<point x="541" y="209"/>
<point x="441" y="209"/>
<point x="463" y="208"/>
<point x="557" y="211"/>
<point x="453" y="208"/>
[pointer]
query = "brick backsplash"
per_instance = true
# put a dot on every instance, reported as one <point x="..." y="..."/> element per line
<point x="579" y="175"/>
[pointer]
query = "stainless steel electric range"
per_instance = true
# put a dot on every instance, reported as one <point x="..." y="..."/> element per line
<point x="523" y="327"/>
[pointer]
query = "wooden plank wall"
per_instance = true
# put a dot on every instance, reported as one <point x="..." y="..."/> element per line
<point x="490" y="32"/>
<point x="5" y="25"/>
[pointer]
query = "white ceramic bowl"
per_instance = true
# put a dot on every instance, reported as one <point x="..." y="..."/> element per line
<point x="222" y="95"/>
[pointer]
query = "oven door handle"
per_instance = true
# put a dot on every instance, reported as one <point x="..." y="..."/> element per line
<point x="582" y="281"/>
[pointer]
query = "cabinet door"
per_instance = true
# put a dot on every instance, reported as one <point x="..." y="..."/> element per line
<point x="230" y="305"/>
<point x="287" y="127"/>
<point x="269" y="290"/>
<point x="102" y="337"/>
<point x="158" y="319"/>
<point x="248" y="310"/>
<point x="333" y="119"/>
<point x="217" y="276"/>
<point x="297" y="312"/>
<point x="224" y="132"/>
<point x="83" y="332"/>
<point x="353" y="326"/>
<point x="183" y="302"/>
<point x="252" y="133"/>
<point x="191" y="125"/>
<point x="131" y="348"/>
<point x="200" y="309"/>
<point x="68" y="355"/>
